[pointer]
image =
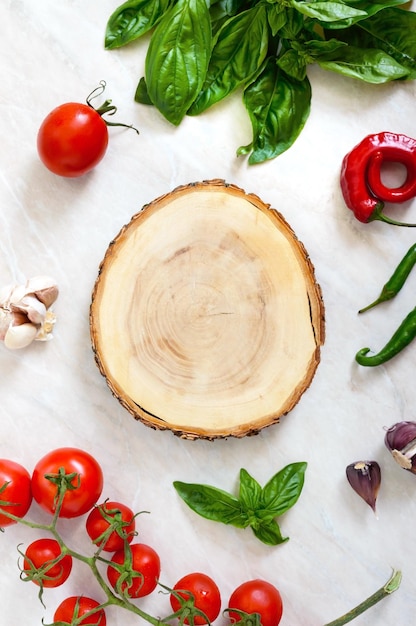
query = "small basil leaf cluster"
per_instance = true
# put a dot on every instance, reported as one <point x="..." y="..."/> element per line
<point x="255" y="506"/>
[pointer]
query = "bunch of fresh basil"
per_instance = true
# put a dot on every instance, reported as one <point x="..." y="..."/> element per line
<point x="202" y="50"/>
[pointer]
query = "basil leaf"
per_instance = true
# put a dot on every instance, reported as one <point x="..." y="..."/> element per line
<point x="212" y="503"/>
<point x="295" y="60"/>
<point x="227" y="7"/>
<point x="277" y="18"/>
<point x="293" y="25"/>
<point x="141" y="95"/>
<point x="131" y="20"/>
<point x="239" y="50"/>
<point x="278" y="107"/>
<point x="316" y="47"/>
<point x="284" y="488"/>
<point x="370" y="65"/>
<point x="328" y="11"/>
<point x="269" y="533"/>
<point x="177" y="58"/>
<point x="250" y="491"/>
<point x="393" y="30"/>
<point x="221" y="10"/>
<point x="293" y="63"/>
<point x="369" y="7"/>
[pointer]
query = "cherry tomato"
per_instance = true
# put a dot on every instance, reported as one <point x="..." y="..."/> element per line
<point x="207" y="597"/>
<point x="257" y="596"/>
<point x="39" y="555"/>
<point x="144" y="560"/>
<point x="102" y="517"/>
<point x="86" y="484"/>
<point x="77" y="606"/>
<point x="15" y="488"/>
<point x="72" y="139"/>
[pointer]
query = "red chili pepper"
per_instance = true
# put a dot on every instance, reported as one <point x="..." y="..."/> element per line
<point x="361" y="185"/>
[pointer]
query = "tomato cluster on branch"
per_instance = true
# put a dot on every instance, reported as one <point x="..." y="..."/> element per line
<point x="68" y="483"/>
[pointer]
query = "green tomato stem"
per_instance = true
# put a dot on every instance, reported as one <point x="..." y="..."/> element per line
<point x="106" y="107"/>
<point x="392" y="585"/>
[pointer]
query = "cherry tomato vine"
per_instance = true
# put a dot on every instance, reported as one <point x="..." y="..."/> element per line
<point x="67" y="483"/>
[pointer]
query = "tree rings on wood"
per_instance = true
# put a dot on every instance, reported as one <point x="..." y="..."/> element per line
<point x="206" y="318"/>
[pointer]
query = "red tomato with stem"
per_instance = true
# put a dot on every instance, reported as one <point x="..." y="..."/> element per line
<point x="77" y="606"/>
<point x="73" y="138"/>
<point x="111" y="515"/>
<point x="207" y="597"/>
<point x="45" y="564"/>
<point x="15" y="488"/>
<point x="141" y="577"/>
<point x="257" y="596"/>
<point x="84" y="477"/>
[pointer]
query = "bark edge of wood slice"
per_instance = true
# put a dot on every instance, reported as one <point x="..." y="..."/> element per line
<point x="206" y="318"/>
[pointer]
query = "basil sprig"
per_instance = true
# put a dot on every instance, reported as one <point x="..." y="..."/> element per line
<point x="255" y="507"/>
<point x="200" y="51"/>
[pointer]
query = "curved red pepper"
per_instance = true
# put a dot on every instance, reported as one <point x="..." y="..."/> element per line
<point x="361" y="185"/>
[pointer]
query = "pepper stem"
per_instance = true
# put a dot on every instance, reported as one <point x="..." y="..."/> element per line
<point x="379" y="215"/>
<point x="384" y="296"/>
<point x="391" y="585"/>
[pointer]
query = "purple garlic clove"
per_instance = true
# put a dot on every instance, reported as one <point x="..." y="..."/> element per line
<point x="365" y="478"/>
<point x="400" y="440"/>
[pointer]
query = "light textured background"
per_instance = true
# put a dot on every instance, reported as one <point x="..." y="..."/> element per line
<point x="53" y="395"/>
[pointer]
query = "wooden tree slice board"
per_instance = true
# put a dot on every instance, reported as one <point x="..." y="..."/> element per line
<point x="206" y="318"/>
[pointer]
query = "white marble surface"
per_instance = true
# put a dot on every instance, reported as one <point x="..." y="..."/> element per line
<point x="53" y="394"/>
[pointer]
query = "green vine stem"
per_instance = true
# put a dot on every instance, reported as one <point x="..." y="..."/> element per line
<point x="187" y="611"/>
<point x="391" y="585"/>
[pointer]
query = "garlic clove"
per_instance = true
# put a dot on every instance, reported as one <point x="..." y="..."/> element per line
<point x="400" y="440"/>
<point x="17" y="318"/>
<point x="47" y="295"/>
<point x="20" y="336"/>
<point x="365" y="478"/>
<point x="32" y="307"/>
<point x="44" y="288"/>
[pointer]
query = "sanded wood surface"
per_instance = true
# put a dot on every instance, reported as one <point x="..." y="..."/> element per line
<point x="206" y="318"/>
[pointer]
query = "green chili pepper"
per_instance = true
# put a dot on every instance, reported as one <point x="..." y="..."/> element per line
<point x="401" y="338"/>
<point x="397" y="279"/>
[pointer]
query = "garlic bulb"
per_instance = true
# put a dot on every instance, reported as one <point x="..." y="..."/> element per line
<point x="25" y="314"/>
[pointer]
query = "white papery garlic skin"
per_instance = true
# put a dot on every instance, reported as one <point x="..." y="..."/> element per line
<point x="25" y="314"/>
